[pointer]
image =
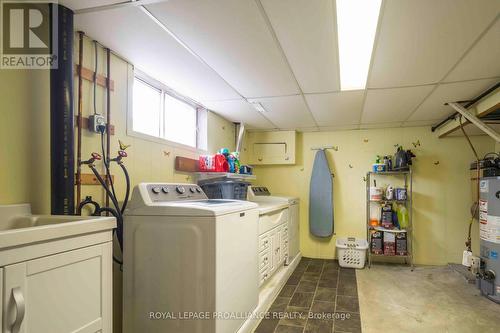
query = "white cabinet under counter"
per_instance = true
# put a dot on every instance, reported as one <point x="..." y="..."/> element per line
<point x="55" y="272"/>
<point x="273" y="239"/>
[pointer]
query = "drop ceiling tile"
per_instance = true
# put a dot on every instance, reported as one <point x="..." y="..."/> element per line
<point x="239" y="111"/>
<point x="307" y="129"/>
<point x="483" y="60"/>
<point x="81" y="4"/>
<point x="420" y="41"/>
<point x="306" y="31"/>
<point x="287" y="111"/>
<point x="381" y="125"/>
<point x="131" y="33"/>
<point x="418" y="123"/>
<point x="391" y="105"/>
<point x="234" y="39"/>
<point x="339" y="128"/>
<point x="336" y="109"/>
<point x="433" y="107"/>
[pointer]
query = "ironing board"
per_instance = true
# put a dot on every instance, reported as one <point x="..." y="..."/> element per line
<point x="321" y="197"/>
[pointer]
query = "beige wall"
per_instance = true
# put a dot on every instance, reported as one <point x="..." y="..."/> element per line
<point x="441" y="192"/>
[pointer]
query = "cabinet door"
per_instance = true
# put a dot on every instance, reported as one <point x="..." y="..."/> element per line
<point x="62" y="293"/>
<point x="276" y="147"/>
<point x="293" y="231"/>
<point x="272" y="240"/>
<point x="277" y="249"/>
<point x="284" y="243"/>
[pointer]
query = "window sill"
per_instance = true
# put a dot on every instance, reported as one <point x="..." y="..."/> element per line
<point x="162" y="141"/>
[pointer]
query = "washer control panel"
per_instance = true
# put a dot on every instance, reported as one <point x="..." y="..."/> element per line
<point x="259" y="190"/>
<point x="175" y="192"/>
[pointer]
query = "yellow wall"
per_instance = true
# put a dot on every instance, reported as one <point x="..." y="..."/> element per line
<point x="148" y="161"/>
<point x="441" y="192"/>
<point x="25" y="141"/>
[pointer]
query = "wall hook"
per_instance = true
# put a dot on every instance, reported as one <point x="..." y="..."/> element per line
<point x="436" y="163"/>
<point x="350" y="166"/>
<point x="397" y="145"/>
<point x="335" y="148"/>
<point x="366" y="140"/>
<point x="166" y="153"/>
<point x="416" y="144"/>
<point x="364" y="179"/>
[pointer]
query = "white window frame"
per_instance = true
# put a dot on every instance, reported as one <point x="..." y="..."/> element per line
<point x="201" y="114"/>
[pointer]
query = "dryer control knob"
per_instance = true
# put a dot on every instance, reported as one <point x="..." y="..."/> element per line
<point x="180" y="189"/>
<point x="156" y="190"/>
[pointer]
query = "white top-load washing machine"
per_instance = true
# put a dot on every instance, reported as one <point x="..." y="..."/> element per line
<point x="267" y="203"/>
<point x="190" y="263"/>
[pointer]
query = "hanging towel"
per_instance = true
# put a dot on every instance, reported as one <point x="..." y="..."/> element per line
<point x="321" y="197"/>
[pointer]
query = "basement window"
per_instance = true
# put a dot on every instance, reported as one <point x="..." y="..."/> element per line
<point x="146" y="108"/>
<point x="161" y="115"/>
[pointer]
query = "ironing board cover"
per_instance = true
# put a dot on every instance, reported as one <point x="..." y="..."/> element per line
<point x="321" y="197"/>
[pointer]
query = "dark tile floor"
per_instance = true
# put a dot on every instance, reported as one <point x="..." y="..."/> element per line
<point x="319" y="297"/>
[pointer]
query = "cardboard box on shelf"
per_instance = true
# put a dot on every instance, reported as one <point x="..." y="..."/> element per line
<point x="376" y="246"/>
<point x="389" y="243"/>
<point x="401" y="244"/>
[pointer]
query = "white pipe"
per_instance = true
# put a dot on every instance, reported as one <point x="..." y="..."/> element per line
<point x="476" y="121"/>
<point x="240" y="137"/>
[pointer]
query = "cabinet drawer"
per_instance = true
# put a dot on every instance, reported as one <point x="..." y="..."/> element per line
<point x="264" y="242"/>
<point x="265" y="259"/>
<point x="285" y="229"/>
<point x="273" y="219"/>
<point x="264" y="274"/>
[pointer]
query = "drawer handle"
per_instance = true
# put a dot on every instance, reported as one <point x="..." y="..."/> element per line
<point x="265" y="259"/>
<point x="17" y="294"/>
<point x="266" y="242"/>
<point x="260" y="159"/>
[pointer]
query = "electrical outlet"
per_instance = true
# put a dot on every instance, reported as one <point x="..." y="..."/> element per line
<point x="95" y="122"/>
<point x="467" y="258"/>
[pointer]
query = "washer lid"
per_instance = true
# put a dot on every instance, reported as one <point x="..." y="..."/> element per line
<point x="275" y="199"/>
<point x="209" y="207"/>
<point x="270" y="207"/>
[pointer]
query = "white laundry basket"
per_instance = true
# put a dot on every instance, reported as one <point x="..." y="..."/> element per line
<point x="352" y="252"/>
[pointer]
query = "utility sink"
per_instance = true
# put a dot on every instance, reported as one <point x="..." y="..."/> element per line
<point x="19" y="227"/>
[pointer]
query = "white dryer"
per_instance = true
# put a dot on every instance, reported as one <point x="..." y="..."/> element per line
<point x="190" y="263"/>
<point x="262" y="196"/>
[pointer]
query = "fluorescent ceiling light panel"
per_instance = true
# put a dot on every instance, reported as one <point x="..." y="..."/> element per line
<point x="258" y="106"/>
<point x="356" y="28"/>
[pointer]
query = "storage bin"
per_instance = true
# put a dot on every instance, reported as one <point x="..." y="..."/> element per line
<point x="225" y="189"/>
<point x="352" y="252"/>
